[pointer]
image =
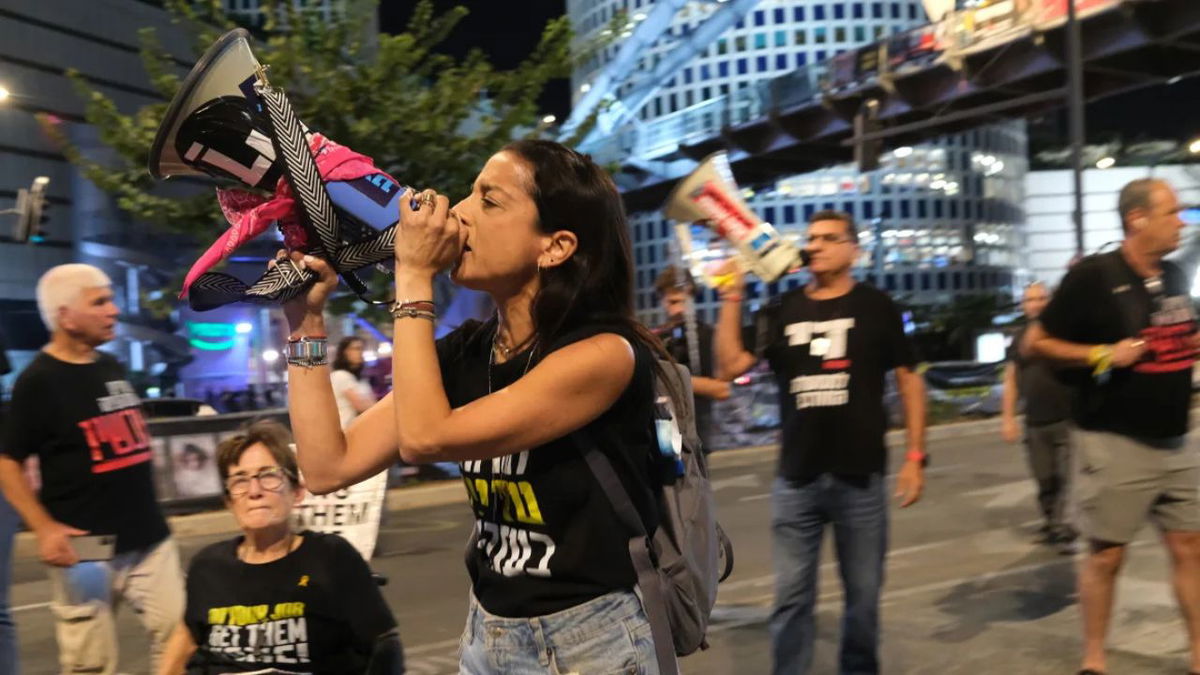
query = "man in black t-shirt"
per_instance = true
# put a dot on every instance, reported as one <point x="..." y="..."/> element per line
<point x="10" y="522"/>
<point x="830" y="345"/>
<point x="73" y="408"/>
<point x="1125" y="321"/>
<point x="674" y="294"/>
<point x="1047" y="424"/>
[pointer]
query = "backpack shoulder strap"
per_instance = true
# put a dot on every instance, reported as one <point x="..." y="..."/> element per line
<point x="683" y="410"/>
<point x="648" y="580"/>
<point x="1115" y="278"/>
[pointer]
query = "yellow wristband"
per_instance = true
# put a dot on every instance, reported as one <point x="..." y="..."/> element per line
<point x="1100" y="359"/>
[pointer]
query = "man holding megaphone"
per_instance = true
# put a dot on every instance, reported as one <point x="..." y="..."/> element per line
<point x="830" y="345"/>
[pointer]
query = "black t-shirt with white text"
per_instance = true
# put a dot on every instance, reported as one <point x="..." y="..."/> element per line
<point x="1102" y="301"/>
<point x="84" y="422"/>
<point x="546" y="536"/>
<point x="315" y="610"/>
<point x="829" y="358"/>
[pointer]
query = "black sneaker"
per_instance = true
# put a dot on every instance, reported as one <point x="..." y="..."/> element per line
<point x="1066" y="540"/>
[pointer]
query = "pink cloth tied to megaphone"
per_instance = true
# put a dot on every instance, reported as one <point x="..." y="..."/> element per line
<point x="250" y="214"/>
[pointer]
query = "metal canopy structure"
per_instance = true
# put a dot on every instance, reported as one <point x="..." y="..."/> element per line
<point x="621" y="88"/>
<point x="804" y="121"/>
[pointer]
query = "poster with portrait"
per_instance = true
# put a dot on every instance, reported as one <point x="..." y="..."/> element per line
<point x="163" y="486"/>
<point x="194" y="465"/>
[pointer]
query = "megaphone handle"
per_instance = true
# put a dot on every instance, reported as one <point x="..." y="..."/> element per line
<point x="314" y="209"/>
<point x="360" y="289"/>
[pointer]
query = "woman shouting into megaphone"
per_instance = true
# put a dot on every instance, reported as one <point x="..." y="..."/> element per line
<point x="543" y="232"/>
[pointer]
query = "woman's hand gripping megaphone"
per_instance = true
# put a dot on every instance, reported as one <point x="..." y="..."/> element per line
<point x="429" y="237"/>
<point x="305" y="313"/>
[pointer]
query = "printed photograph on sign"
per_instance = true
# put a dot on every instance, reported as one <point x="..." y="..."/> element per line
<point x="194" y="465"/>
<point x="162" y="467"/>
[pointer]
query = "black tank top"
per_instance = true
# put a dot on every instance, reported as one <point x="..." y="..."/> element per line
<point x="545" y="537"/>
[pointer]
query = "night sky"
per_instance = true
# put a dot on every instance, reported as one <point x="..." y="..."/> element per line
<point x="506" y="30"/>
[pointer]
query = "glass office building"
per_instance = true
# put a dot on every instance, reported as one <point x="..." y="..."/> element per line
<point x="935" y="220"/>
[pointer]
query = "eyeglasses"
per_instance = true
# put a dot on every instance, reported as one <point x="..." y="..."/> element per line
<point x="828" y="238"/>
<point x="268" y="479"/>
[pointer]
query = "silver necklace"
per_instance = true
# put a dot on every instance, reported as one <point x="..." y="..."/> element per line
<point x="492" y="357"/>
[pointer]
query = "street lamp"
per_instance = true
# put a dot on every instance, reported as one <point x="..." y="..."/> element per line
<point x="1106" y="163"/>
<point x="1194" y="147"/>
<point x="4" y="94"/>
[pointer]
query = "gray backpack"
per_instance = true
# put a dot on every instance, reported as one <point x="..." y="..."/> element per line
<point x="679" y="567"/>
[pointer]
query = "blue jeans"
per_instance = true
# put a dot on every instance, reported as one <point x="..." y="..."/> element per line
<point x="857" y="509"/>
<point x="9" y="522"/>
<point x="607" y="635"/>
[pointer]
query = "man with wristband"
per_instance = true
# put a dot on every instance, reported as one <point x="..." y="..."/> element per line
<point x="830" y="345"/>
<point x="1125" y="320"/>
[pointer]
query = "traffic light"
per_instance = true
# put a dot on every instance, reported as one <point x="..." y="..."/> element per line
<point x="31" y="215"/>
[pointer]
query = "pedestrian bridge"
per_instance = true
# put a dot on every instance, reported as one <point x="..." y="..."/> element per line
<point x="1003" y="61"/>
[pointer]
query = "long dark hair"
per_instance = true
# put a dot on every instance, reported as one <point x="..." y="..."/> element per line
<point x="339" y="359"/>
<point x="594" y="285"/>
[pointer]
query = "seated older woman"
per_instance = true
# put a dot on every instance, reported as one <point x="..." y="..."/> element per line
<point x="271" y="599"/>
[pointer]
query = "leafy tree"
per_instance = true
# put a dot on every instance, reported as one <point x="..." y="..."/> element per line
<point x="426" y="118"/>
<point x="949" y="330"/>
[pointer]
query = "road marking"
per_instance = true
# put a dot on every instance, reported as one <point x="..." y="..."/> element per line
<point x="890" y="596"/>
<point x="769" y="579"/>
<point x="36" y="605"/>
<point x="934" y="470"/>
<point x="433" y="665"/>
<point x="432" y="646"/>
<point x="428" y="526"/>
<point x="749" y="480"/>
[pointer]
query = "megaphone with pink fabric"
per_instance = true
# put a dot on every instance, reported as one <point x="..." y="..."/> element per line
<point x="227" y="122"/>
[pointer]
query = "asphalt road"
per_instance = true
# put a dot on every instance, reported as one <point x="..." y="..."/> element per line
<point x="967" y="590"/>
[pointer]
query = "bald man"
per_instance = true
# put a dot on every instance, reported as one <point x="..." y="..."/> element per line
<point x="1047" y="422"/>
<point x="1124" y="319"/>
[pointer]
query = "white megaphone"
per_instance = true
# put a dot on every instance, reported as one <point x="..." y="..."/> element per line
<point x="214" y="125"/>
<point x="936" y="9"/>
<point x="710" y="194"/>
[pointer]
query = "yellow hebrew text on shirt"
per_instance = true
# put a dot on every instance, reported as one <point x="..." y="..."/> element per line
<point x="517" y="499"/>
<point x="246" y="615"/>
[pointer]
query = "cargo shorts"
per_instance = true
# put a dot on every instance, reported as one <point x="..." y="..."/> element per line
<point x="1120" y="482"/>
